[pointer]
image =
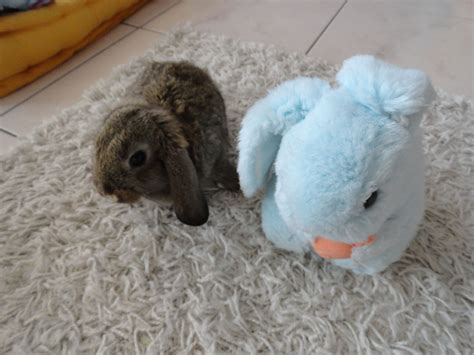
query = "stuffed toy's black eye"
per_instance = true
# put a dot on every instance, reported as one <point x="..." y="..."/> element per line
<point x="371" y="200"/>
<point x="137" y="159"/>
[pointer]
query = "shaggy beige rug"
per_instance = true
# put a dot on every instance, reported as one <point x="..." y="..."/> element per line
<point x="81" y="274"/>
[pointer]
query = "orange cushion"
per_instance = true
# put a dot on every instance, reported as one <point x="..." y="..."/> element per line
<point x="30" y="47"/>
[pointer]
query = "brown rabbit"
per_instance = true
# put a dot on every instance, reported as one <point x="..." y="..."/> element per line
<point x="170" y="140"/>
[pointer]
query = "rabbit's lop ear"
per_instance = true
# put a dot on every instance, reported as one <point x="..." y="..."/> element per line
<point x="189" y="202"/>
<point x="266" y="122"/>
<point x="385" y="88"/>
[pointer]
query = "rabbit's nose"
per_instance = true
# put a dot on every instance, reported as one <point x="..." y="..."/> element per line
<point x="331" y="249"/>
<point x="107" y="189"/>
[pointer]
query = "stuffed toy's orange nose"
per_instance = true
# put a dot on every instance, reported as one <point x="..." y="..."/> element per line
<point x="330" y="249"/>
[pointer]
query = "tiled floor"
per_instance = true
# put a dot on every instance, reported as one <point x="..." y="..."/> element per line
<point x="434" y="35"/>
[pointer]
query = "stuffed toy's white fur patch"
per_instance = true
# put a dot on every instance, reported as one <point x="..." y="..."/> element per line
<point x="82" y="274"/>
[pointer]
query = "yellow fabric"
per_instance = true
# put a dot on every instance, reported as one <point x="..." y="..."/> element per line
<point x="26" y="47"/>
<point x="18" y="80"/>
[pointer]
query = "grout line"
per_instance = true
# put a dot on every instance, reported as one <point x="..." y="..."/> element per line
<point x="68" y="72"/>
<point x="326" y="27"/>
<point x="128" y="24"/>
<point x="161" y="13"/>
<point x="152" y="31"/>
<point x="8" y="133"/>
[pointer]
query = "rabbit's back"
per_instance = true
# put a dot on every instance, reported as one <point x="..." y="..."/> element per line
<point x="191" y="95"/>
<point x="184" y="89"/>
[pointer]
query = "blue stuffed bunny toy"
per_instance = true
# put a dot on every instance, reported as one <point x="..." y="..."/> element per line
<point x="342" y="168"/>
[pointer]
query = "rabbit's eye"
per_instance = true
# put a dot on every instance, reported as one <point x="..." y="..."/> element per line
<point x="371" y="200"/>
<point x="137" y="159"/>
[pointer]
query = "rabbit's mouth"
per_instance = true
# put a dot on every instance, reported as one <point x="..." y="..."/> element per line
<point x="126" y="196"/>
<point x="159" y="196"/>
<point x="331" y="249"/>
<point x="120" y="195"/>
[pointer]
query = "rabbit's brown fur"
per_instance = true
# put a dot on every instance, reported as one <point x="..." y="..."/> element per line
<point x="176" y="119"/>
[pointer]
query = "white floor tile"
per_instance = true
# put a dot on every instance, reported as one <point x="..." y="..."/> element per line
<point x="23" y="94"/>
<point x="289" y="24"/>
<point x="7" y="142"/>
<point x="153" y="9"/>
<point x="66" y="91"/>
<point x="456" y="8"/>
<point x="430" y="35"/>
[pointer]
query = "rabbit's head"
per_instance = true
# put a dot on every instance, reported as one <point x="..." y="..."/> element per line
<point x="141" y="151"/>
<point x="356" y="158"/>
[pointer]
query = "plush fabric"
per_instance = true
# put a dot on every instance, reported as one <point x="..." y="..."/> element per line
<point x="271" y="118"/>
<point x="34" y="42"/>
<point x="332" y="148"/>
<point x="81" y="274"/>
<point x="22" y="5"/>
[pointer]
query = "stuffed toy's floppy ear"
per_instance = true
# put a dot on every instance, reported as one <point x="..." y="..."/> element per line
<point x="385" y="88"/>
<point x="266" y="122"/>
